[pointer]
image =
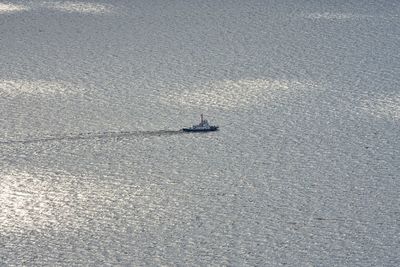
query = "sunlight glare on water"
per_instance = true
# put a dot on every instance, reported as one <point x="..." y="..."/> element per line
<point x="8" y="8"/>
<point x="13" y="88"/>
<point x="95" y="169"/>
<point x="233" y="94"/>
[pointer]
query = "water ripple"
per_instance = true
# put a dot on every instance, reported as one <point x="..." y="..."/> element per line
<point x="231" y="94"/>
<point x="91" y="136"/>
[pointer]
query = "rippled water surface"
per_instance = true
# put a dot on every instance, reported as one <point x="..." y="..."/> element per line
<point x="304" y="171"/>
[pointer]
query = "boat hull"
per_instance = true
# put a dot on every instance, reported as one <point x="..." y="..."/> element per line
<point x="211" y="129"/>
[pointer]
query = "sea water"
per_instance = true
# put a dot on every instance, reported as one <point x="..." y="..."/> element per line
<point x="304" y="170"/>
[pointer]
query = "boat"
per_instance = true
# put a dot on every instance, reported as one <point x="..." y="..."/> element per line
<point x="203" y="126"/>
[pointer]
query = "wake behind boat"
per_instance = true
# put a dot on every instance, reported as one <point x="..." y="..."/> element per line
<point x="203" y="126"/>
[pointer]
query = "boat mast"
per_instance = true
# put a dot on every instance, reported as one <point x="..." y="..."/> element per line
<point x="201" y="116"/>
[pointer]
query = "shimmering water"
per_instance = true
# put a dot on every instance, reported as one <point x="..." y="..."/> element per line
<point x="304" y="171"/>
